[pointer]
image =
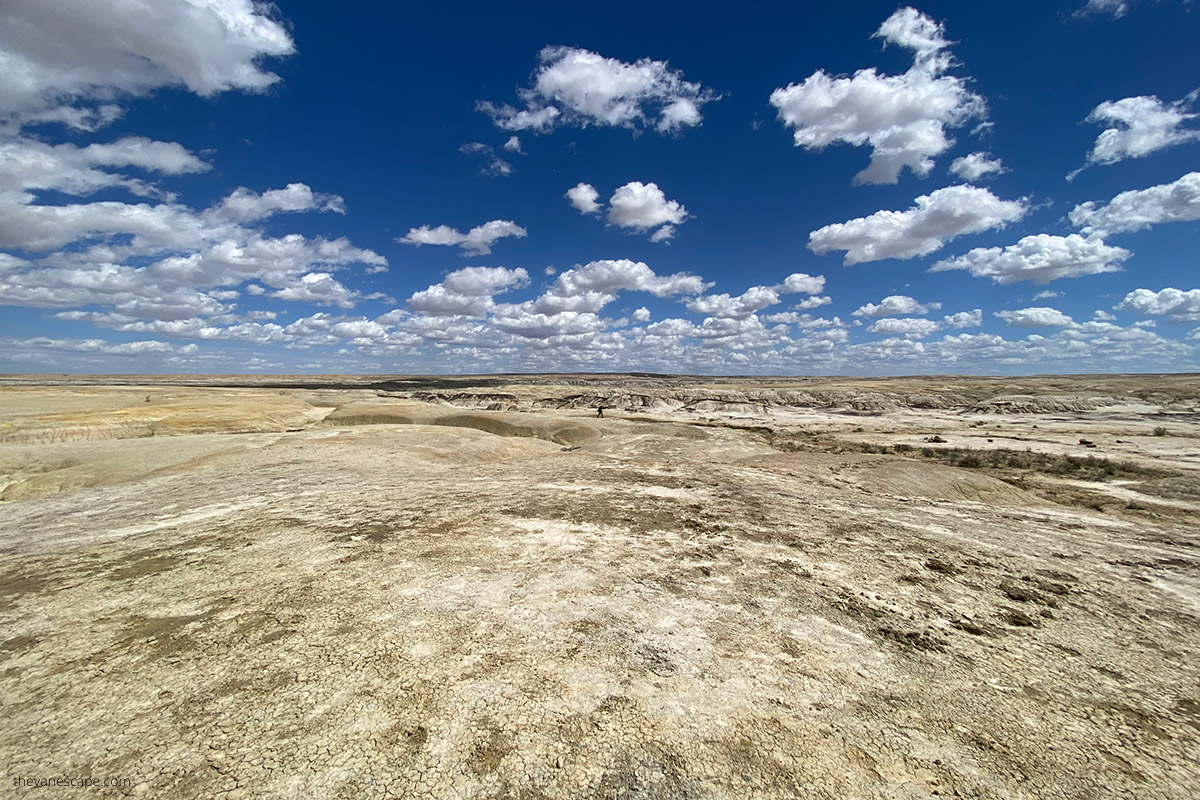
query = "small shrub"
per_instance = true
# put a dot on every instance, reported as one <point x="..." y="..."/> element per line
<point x="971" y="461"/>
<point x="1160" y="431"/>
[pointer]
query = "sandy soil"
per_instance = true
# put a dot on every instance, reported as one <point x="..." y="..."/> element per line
<point x="354" y="587"/>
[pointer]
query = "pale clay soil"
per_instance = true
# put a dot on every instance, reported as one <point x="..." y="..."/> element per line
<point x="350" y="587"/>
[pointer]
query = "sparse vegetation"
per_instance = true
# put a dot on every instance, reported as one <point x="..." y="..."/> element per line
<point x="1088" y="468"/>
<point x="1161" y="431"/>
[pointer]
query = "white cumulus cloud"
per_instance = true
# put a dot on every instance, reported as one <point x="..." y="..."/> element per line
<point x="475" y="242"/>
<point x="1176" y="305"/>
<point x="1036" y="317"/>
<point x="67" y="61"/>
<point x="642" y="206"/>
<point x="802" y="283"/>
<point x="809" y="303"/>
<point x="1136" y="209"/>
<point x="29" y="164"/>
<point x="577" y="87"/>
<point x="1140" y="126"/>
<point x="934" y="219"/>
<point x="975" y="166"/>
<point x="583" y="197"/>
<point x="903" y="118"/>
<point x="911" y="328"/>
<point x="893" y="305"/>
<point x="724" y="306"/>
<point x="468" y="291"/>
<point x="596" y="284"/>
<point x="1041" y="259"/>
<point x="964" y="319"/>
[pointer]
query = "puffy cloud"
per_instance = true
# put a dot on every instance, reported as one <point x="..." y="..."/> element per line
<point x="190" y="258"/>
<point x="903" y="118"/>
<point x="802" y="283"/>
<point x="642" y="206"/>
<point x="475" y="242"/>
<point x="975" y="166"/>
<point x="534" y="325"/>
<point x="320" y="288"/>
<point x="964" y="319"/>
<point x="244" y="205"/>
<point x="1175" y="304"/>
<point x="1041" y="259"/>
<point x="513" y="145"/>
<point x="1036" y="317"/>
<point x="28" y="164"/>
<point x="723" y="306"/>
<point x="641" y="315"/>
<point x="1140" y="208"/>
<point x="595" y="285"/>
<point x="816" y="301"/>
<point x="468" y="291"/>
<point x="583" y="197"/>
<point x="38" y="228"/>
<point x="193" y="328"/>
<point x="895" y="304"/>
<point x="910" y="29"/>
<point x="88" y="52"/>
<point x="909" y="328"/>
<point x="577" y="87"/>
<point x="485" y="281"/>
<point x="138" y="349"/>
<point x="438" y="301"/>
<point x="1143" y="125"/>
<point x="805" y="322"/>
<point x="934" y="219"/>
<point x="636" y="206"/>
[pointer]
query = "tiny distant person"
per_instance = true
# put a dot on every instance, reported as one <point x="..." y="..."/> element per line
<point x="600" y="412"/>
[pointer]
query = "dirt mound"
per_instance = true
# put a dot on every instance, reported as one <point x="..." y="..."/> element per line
<point x="560" y="431"/>
<point x="915" y="479"/>
<point x="500" y="423"/>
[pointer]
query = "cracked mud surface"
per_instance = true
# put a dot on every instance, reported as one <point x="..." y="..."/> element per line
<point x="408" y="601"/>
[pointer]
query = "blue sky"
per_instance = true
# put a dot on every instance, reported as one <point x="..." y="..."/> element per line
<point x="216" y="186"/>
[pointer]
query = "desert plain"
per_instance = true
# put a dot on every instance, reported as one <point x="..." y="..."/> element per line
<point x="476" y="587"/>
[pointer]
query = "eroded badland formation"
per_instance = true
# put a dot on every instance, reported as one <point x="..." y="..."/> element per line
<point x="474" y="587"/>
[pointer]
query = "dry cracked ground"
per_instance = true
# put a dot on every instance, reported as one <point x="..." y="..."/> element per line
<point x="437" y="587"/>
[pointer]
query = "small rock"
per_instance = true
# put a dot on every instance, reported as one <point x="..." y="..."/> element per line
<point x="938" y="565"/>
<point x="1018" y="618"/>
